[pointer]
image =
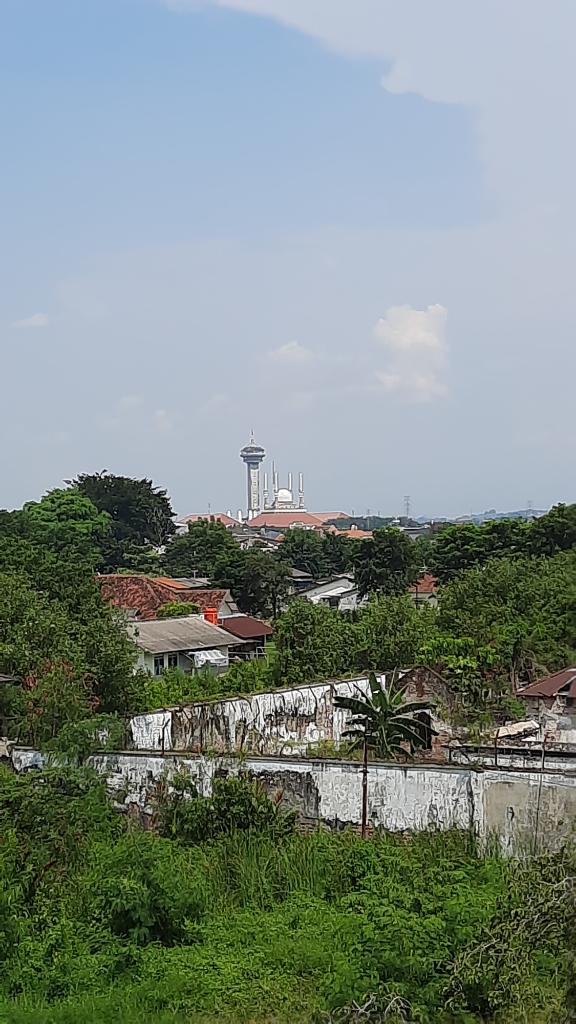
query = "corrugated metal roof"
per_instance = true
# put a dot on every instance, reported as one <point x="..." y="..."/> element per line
<point x="246" y="626"/>
<point x="549" y="686"/>
<point x="187" y="633"/>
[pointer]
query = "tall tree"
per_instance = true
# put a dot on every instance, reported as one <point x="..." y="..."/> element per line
<point x="465" y="545"/>
<point x="304" y="550"/>
<point x="196" y="552"/>
<point x="67" y="521"/>
<point x="385" y="563"/>
<point x="556" y="531"/>
<point x="385" y="723"/>
<point x="141" y="514"/>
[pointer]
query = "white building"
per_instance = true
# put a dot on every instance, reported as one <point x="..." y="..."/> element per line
<point x="186" y="642"/>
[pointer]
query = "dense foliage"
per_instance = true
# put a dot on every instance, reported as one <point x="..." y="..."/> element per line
<point x="224" y="912"/>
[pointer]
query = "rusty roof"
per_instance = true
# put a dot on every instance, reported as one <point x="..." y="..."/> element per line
<point x="245" y="626"/>
<point x="427" y="584"/>
<point x="549" y="686"/>
<point x="188" y="632"/>
<point x="146" y="594"/>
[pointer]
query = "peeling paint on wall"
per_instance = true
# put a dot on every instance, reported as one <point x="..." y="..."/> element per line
<point x="522" y="809"/>
<point x="278" y="723"/>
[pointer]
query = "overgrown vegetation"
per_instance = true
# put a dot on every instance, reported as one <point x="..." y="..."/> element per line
<point x="223" y="911"/>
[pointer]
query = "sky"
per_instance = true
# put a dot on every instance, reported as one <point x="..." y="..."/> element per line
<point x="345" y="224"/>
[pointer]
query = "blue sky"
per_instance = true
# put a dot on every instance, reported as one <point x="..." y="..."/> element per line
<point x="347" y="225"/>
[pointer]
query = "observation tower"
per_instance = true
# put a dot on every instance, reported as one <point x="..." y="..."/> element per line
<point x="253" y="454"/>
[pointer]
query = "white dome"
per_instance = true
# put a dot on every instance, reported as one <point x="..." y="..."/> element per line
<point x="284" y="495"/>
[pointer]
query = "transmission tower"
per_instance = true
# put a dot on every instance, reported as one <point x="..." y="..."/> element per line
<point x="407" y="506"/>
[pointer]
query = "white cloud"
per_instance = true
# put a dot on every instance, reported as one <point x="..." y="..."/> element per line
<point x="418" y="350"/>
<point x="38" y="320"/>
<point x="130" y="401"/>
<point x="292" y="352"/>
<point x="162" y="420"/>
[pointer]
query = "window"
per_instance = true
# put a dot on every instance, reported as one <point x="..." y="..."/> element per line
<point x="172" y="661"/>
<point x="158" y="664"/>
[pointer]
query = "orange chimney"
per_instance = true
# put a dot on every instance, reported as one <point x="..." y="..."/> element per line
<point x="211" y="615"/>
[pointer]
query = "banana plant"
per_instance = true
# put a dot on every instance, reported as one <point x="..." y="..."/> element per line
<point x="383" y="722"/>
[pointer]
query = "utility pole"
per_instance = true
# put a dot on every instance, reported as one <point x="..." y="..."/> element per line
<point x="365" y="780"/>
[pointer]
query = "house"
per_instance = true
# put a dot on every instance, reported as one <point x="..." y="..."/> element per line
<point x="141" y="596"/>
<point x="555" y="694"/>
<point x="285" y="520"/>
<point x="425" y="590"/>
<point x="187" y="642"/>
<point x="251" y="635"/>
<point x="329" y="592"/>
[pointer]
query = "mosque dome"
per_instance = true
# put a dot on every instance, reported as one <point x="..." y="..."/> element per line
<point x="284" y="496"/>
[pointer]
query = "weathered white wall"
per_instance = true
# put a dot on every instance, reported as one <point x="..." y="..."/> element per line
<point x="524" y="810"/>
<point x="279" y="722"/>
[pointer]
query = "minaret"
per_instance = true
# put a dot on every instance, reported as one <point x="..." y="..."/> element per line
<point x="301" y="490"/>
<point x="253" y="454"/>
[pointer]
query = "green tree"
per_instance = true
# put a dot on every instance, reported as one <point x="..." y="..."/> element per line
<point x="466" y="545"/>
<point x="385" y="723"/>
<point x="304" y="550"/>
<point x="391" y="631"/>
<point x="68" y="523"/>
<point x="338" y="553"/>
<point x="141" y="515"/>
<point x="385" y="563"/>
<point x="524" y="609"/>
<point x="196" y="552"/>
<point x="265" y="584"/>
<point x="312" y="642"/>
<point x="176" y="609"/>
<point x="556" y="531"/>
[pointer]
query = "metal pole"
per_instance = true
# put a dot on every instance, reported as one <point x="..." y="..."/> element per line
<point x="365" y="782"/>
<point x="539" y="795"/>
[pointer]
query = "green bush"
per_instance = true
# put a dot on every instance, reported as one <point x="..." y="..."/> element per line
<point x="236" y="804"/>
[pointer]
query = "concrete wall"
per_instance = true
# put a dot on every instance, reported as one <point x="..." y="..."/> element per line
<point x="278" y="722"/>
<point x="525" y="810"/>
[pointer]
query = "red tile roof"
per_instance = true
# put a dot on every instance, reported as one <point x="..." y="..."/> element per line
<point x="245" y="626"/>
<point x="220" y="517"/>
<point x="146" y="594"/>
<point x="325" y="517"/>
<point x="427" y="584"/>
<point x="549" y="686"/>
<point x="284" y="519"/>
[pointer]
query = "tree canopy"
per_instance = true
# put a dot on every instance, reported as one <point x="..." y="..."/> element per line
<point x="196" y="552"/>
<point x="141" y="516"/>
<point x="385" y="563"/>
